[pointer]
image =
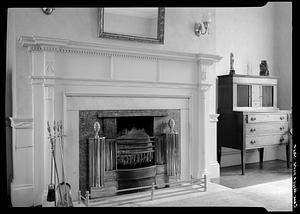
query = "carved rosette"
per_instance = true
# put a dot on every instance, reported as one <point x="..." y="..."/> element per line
<point x="49" y="67"/>
<point x="49" y="63"/>
<point x="204" y="66"/>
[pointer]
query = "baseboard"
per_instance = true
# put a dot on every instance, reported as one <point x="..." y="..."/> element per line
<point x="233" y="158"/>
<point x="213" y="170"/>
<point x="22" y="195"/>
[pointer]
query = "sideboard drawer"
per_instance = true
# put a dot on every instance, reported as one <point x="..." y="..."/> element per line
<point x="254" y="118"/>
<point x="266" y="128"/>
<point x="267" y="140"/>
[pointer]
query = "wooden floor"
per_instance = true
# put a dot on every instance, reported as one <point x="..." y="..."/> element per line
<point x="272" y="171"/>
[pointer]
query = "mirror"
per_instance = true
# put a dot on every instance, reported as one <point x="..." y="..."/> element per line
<point x="132" y="23"/>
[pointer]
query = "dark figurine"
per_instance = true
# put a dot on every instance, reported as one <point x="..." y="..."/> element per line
<point x="232" y="71"/>
<point x="264" y="71"/>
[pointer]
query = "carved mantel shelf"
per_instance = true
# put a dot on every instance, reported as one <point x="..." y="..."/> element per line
<point x="38" y="43"/>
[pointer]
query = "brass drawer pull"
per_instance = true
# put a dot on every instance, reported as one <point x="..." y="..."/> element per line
<point x="253" y="118"/>
<point x="252" y="141"/>
<point x="252" y="130"/>
<point x="281" y="118"/>
<point x="281" y="128"/>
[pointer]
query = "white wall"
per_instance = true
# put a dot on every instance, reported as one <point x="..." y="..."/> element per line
<point x="283" y="52"/>
<point x="248" y="34"/>
<point x="283" y="57"/>
<point x="253" y="34"/>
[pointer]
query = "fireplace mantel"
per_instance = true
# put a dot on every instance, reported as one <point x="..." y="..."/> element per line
<point x="38" y="43"/>
<point x="68" y="76"/>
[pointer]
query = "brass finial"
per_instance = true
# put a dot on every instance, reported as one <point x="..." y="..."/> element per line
<point x="97" y="129"/>
<point x="171" y="124"/>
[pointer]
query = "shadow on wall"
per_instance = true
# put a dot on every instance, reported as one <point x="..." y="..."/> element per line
<point x="8" y="135"/>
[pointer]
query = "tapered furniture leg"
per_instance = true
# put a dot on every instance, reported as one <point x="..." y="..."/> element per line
<point x="219" y="150"/>
<point x="288" y="155"/>
<point x="261" y="157"/>
<point x="243" y="160"/>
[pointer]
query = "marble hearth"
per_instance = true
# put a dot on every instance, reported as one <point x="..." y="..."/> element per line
<point x="68" y="77"/>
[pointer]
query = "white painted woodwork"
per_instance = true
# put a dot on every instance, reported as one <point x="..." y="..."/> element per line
<point x="67" y="76"/>
<point x="22" y="148"/>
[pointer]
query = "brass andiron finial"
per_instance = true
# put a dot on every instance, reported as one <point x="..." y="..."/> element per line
<point x="172" y="146"/>
<point x="171" y="124"/>
<point x="97" y="129"/>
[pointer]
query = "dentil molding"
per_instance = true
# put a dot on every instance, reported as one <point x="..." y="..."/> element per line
<point x="38" y="43"/>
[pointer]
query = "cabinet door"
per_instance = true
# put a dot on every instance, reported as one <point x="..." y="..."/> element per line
<point x="243" y="95"/>
<point x="267" y="96"/>
<point x="255" y="96"/>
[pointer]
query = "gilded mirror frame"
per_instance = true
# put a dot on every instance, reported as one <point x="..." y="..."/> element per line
<point x="160" y="30"/>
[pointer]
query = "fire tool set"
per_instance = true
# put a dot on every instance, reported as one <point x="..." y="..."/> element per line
<point x="60" y="194"/>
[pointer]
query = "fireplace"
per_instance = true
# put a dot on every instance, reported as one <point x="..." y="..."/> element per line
<point x="124" y="149"/>
<point x="70" y="79"/>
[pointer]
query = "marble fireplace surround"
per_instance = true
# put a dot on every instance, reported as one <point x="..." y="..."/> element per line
<point x="68" y="76"/>
<point x="154" y="123"/>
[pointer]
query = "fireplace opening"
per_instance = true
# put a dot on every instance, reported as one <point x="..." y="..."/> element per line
<point x="135" y="142"/>
<point x="125" y="124"/>
<point x="135" y="151"/>
<point x="132" y="149"/>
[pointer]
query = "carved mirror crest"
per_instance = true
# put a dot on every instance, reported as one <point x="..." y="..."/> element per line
<point x="132" y="23"/>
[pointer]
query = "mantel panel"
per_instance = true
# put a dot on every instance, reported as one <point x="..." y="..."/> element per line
<point x="82" y="66"/>
<point x="123" y="103"/>
<point x="178" y="71"/>
<point x="135" y="69"/>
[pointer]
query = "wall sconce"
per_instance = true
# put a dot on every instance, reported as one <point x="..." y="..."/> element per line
<point x="48" y="10"/>
<point x="202" y="28"/>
